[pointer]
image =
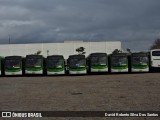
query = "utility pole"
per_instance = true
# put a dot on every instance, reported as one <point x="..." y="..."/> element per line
<point x="9" y="40"/>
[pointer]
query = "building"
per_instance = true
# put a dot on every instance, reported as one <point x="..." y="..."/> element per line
<point x="67" y="48"/>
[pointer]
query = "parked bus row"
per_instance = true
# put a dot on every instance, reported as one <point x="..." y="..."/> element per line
<point x="78" y="64"/>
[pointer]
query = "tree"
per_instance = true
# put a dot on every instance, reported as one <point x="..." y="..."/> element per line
<point x="38" y="52"/>
<point x="116" y="51"/>
<point x="129" y="50"/>
<point x="156" y="44"/>
<point x="80" y="50"/>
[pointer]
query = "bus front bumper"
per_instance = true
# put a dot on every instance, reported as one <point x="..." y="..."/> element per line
<point x="13" y="73"/>
<point x="99" y="70"/>
<point x="119" y="70"/>
<point x="140" y="70"/>
<point x="56" y="73"/>
<point x="34" y="72"/>
<point x="78" y="72"/>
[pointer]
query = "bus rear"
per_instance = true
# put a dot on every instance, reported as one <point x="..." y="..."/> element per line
<point x="155" y="59"/>
<point x="13" y="65"/>
<point x="77" y="64"/>
<point x="34" y="64"/>
<point x="55" y="65"/>
<point x="97" y="62"/>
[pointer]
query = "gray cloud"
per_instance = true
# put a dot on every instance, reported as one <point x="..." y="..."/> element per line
<point x="134" y="22"/>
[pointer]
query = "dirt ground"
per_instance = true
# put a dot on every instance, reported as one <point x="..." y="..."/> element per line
<point x="110" y="92"/>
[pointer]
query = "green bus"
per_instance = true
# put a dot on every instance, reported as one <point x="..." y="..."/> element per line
<point x="77" y="64"/>
<point x="1" y="66"/>
<point x="34" y="64"/>
<point x="55" y="65"/>
<point x="139" y="62"/>
<point x="119" y="62"/>
<point x="13" y="65"/>
<point x="97" y="62"/>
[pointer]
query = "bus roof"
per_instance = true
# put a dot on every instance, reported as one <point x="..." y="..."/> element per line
<point x="119" y="54"/>
<point x="55" y="56"/>
<point x="155" y="50"/>
<point x="13" y="57"/>
<point x="94" y="54"/>
<point x="139" y="54"/>
<point x="34" y="56"/>
<point x="77" y="56"/>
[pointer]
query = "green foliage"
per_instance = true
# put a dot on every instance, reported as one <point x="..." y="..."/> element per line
<point x="117" y="51"/>
<point x="129" y="50"/>
<point x="38" y="52"/>
<point x="80" y="50"/>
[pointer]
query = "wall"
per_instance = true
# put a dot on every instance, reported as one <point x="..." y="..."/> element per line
<point x="65" y="49"/>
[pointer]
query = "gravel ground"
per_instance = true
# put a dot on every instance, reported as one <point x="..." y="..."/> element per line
<point x="111" y="92"/>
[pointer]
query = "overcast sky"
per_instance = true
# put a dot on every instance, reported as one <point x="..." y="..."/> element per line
<point x="136" y="23"/>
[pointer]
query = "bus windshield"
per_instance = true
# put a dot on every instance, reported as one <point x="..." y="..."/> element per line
<point x="139" y="60"/>
<point x="119" y="60"/>
<point x="33" y="62"/>
<point x="55" y="63"/>
<point x="98" y="60"/>
<point x="156" y="53"/>
<point x="11" y="64"/>
<point x="76" y="62"/>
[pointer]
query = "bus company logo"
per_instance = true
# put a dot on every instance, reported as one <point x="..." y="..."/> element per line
<point x="6" y="114"/>
<point x="21" y="114"/>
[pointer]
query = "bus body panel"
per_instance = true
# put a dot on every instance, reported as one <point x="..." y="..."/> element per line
<point x="33" y="72"/>
<point x="119" y="63"/>
<point x="54" y="70"/>
<point x="155" y="63"/>
<point x="13" y="65"/>
<point x="77" y="72"/>
<point x="56" y="73"/>
<point x="140" y="70"/>
<point x="13" y="73"/>
<point x="155" y="58"/>
<point x="33" y="68"/>
<point x="139" y="62"/>
<point x="119" y="70"/>
<point x="77" y="67"/>
<point x="97" y="62"/>
<point x="0" y="66"/>
<point x="99" y="70"/>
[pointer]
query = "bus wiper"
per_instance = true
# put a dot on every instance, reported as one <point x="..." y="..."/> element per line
<point x="141" y="63"/>
<point x="37" y="66"/>
<point x="16" y="67"/>
<point x="102" y="64"/>
<point x="59" y="66"/>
